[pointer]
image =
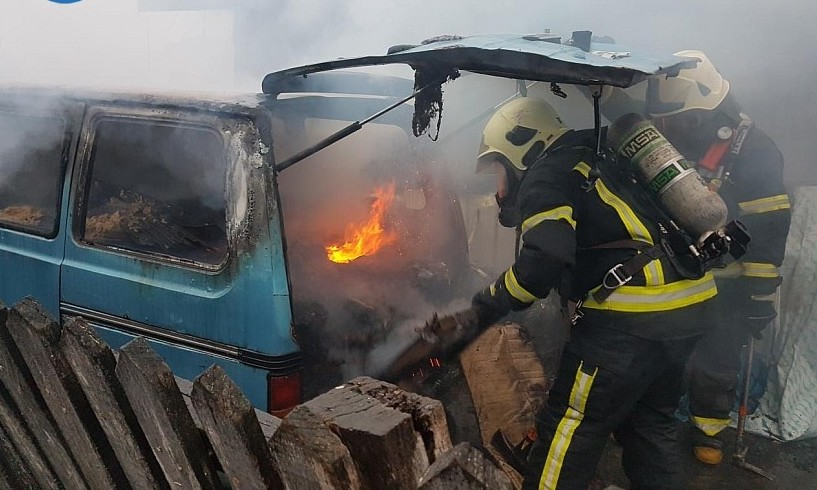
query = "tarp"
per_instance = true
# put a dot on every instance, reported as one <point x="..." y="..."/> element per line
<point x="523" y="57"/>
<point x="788" y="409"/>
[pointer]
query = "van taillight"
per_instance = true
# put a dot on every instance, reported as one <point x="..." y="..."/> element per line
<point x="283" y="393"/>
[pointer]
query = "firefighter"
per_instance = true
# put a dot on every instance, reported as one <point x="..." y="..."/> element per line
<point x="699" y="116"/>
<point x="621" y="371"/>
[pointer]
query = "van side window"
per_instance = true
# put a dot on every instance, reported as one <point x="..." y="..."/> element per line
<point x="157" y="188"/>
<point x="31" y="172"/>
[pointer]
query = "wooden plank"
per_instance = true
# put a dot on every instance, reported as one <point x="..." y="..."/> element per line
<point x="17" y="379"/>
<point x="381" y="440"/>
<point x="37" y="334"/>
<point x="163" y="415"/>
<point x="311" y="456"/>
<point x="5" y="482"/>
<point x="14" y="472"/>
<point x="464" y="468"/>
<point x="427" y="414"/>
<point x="94" y="365"/>
<point x="22" y="446"/>
<point x="508" y="385"/>
<point x="229" y="420"/>
<point x="269" y="423"/>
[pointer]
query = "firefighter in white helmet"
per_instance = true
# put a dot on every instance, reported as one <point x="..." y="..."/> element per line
<point x="621" y="372"/>
<point x="696" y="112"/>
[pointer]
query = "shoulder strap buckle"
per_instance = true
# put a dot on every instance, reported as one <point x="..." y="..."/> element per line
<point x="616" y="277"/>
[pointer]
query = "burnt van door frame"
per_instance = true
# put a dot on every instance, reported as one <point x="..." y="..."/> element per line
<point x="30" y="262"/>
<point x="237" y="312"/>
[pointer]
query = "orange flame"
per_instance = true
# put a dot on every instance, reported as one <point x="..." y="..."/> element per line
<point x="369" y="237"/>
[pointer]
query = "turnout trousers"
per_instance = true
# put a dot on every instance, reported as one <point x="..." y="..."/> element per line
<point x="611" y="382"/>
<point x="715" y="364"/>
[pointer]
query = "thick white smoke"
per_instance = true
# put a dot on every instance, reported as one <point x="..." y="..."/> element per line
<point x="766" y="49"/>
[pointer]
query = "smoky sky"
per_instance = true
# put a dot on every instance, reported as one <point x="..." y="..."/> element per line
<point x="765" y="49"/>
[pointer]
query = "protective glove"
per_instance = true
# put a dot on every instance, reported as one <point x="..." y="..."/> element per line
<point x="491" y="304"/>
<point x="450" y="334"/>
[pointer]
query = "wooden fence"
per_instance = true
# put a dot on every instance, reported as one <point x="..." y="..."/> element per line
<point x="75" y="414"/>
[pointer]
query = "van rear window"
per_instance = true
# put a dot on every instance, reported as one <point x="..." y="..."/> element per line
<point x="159" y="189"/>
<point x="31" y="173"/>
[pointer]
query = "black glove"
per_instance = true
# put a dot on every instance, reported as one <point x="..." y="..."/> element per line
<point x="759" y="314"/>
<point x="491" y="304"/>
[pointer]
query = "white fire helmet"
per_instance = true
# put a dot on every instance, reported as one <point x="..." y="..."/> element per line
<point x="521" y="131"/>
<point x="698" y="87"/>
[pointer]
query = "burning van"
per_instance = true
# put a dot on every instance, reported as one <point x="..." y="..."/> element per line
<point x="163" y="216"/>
<point x="282" y="235"/>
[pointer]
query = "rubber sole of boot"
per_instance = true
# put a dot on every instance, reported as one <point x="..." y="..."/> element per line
<point x="708" y="455"/>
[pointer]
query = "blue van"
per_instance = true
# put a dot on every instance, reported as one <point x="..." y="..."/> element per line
<point x="164" y="216"/>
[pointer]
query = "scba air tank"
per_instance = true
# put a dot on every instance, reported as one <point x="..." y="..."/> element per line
<point x="667" y="175"/>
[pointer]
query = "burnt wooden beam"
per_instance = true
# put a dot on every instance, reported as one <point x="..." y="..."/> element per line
<point x="427" y="414"/>
<point x="37" y="335"/>
<point x="168" y="425"/>
<point x="310" y="455"/>
<point x="269" y="423"/>
<point x="94" y="365"/>
<point x="22" y="447"/>
<point x="464" y="468"/>
<point x="31" y="406"/>
<point x="234" y="432"/>
<point x="14" y="472"/>
<point x="381" y="440"/>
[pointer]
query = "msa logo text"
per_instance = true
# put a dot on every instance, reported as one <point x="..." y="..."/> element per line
<point x="639" y="141"/>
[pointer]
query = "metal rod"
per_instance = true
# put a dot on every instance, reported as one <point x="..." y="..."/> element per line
<point x="348" y="130"/>
<point x="744" y="398"/>
<point x="597" y="118"/>
<point x="741" y="448"/>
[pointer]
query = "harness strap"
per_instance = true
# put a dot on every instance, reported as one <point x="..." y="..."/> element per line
<point x="620" y="274"/>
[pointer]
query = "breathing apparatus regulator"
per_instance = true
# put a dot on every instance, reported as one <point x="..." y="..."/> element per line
<point x="695" y="216"/>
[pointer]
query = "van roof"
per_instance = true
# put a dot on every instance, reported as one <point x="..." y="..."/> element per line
<point x="211" y="101"/>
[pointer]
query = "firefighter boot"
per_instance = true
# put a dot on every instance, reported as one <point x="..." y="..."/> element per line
<point x="707" y="449"/>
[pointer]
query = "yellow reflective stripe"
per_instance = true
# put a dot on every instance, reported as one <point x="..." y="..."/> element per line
<point x="653" y="272"/>
<point x="710" y="427"/>
<point x="516" y="290"/>
<point x="731" y="271"/>
<point x="642" y="299"/>
<point x="764" y="205"/>
<point x="567" y="426"/>
<point x="583" y="169"/>
<point x="760" y="269"/>
<point x="765" y="297"/>
<point x="492" y="288"/>
<point x="562" y="212"/>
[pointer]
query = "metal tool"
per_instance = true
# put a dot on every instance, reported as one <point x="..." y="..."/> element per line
<point x="434" y="338"/>
<point x="741" y="447"/>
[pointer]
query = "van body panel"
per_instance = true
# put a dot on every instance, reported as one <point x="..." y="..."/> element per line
<point x="189" y="363"/>
<point x="241" y="302"/>
<point x="31" y="267"/>
<point x="29" y="258"/>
